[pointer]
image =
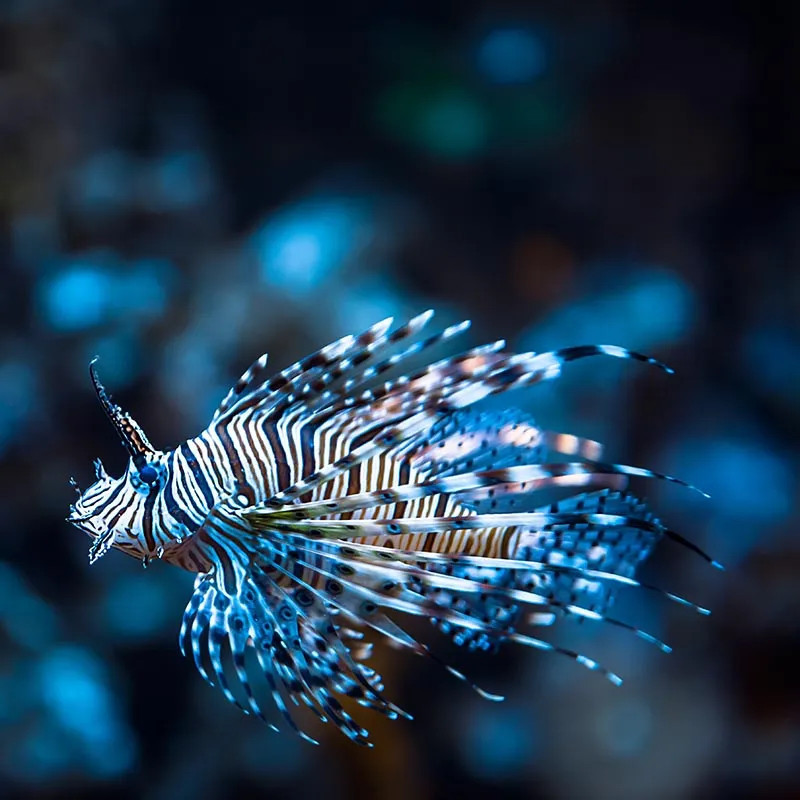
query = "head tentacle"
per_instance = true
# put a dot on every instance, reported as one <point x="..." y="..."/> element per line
<point x="132" y="436"/>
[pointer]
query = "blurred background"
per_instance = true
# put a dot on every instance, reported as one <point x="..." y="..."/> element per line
<point x="184" y="185"/>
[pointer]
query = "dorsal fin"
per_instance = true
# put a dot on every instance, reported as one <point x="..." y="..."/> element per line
<point x="254" y="375"/>
<point x="255" y="380"/>
<point x="313" y="375"/>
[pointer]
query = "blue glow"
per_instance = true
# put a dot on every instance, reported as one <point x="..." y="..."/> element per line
<point x="743" y="476"/>
<point x="512" y="55"/>
<point x="179" y="180"/>
<point x="267" y="756"/>
<point x="625" y="727"/>
<point x="43" y="754"/>
<point x="497" y="742"/>
<point x="119" y="358"/>
<point x="74" y="690"/>
<point x="11" y="708"/>
<point x="87" y="291"/>
<point x="152" y="610"/>
<point x="18" y="393"/>
<point x="365" y="302"/>
<point x="104" y="184"/>
<point x="751" y="487"/>
<point x="301" y="246"/>
<point x="191" y="362"/>
<point x="34" y="239"/>
<point x="653" y="308"/>
<point x="78" y="296"/>
<point x="29" y="620"/>
<point x="773" y="357"/>
<point x="645" y="311"/>
<point x="143" y="289"/>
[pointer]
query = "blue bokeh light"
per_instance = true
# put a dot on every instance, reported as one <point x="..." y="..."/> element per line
<point x="75" y="691"/>
<point x="744" y="476"/>
<point x="29" y="621"/>
<point x="299" y="247"/>
<point x="34" y="239"/>
<point x="72" y="690"/>
<point x="652" y="308"/>
<point x="177" y="181"/>
<point x="772" y="356"/>
<point x="625" y="727"/>
<point x="104" y="184"/>
<point x="750" y="483"/>
<point x="85" y="291"/>
<point x="78" y="296"/>
<point x="153" y="605"/>
<point x="143" y="288"/>
<point x="511" y="55"/>
<point x="18" y="398"/>
<point x="646" y="310"/>
<point x="367" y="301"/>
<point x="497" y="742"/>
<point x="119" y="357"/>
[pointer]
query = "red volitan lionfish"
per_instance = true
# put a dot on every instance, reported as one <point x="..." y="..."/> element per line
<point x="321" y="498"/>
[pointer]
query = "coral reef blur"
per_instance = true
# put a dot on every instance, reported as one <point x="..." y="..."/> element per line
<point x="184" y="185"/>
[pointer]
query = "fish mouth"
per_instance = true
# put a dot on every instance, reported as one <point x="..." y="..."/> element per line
<point x="83" y="523"/>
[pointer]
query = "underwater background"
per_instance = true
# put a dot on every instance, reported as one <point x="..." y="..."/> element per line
<point x="185" y="185"/>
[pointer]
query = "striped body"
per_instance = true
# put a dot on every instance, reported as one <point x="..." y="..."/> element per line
<point x="321" y="497"/>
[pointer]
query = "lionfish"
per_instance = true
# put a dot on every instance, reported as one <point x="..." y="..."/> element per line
<point x="321" y="498"/>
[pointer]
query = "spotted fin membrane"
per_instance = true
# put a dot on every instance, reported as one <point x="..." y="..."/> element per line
<point x="340" y="562"/>
<point x="343" y="492"/>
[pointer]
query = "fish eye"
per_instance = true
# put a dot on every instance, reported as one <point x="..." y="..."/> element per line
<point x="148" y="474"/>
